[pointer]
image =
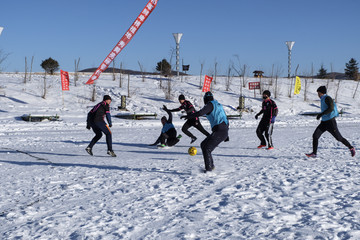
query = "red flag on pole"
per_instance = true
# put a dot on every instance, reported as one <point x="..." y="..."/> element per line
<point x="207" y="83"/>
<point x="65" y="81"/>
<point x="150" y="6"/>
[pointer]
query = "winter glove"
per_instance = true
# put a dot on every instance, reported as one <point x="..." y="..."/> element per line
<point x="184" y="117"/>
<point x="110" y="125"/>
<point x="88" y="126"/>
<point x="273" y="119"/>
<point x="256" y="116"/>
<point x="319" y="116"/>
<point x="165" y="108"/>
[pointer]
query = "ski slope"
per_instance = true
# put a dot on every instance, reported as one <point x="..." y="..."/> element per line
<point x="52" y="189"/>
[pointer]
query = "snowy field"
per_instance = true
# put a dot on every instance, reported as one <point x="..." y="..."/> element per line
<point x="52" y="189"/>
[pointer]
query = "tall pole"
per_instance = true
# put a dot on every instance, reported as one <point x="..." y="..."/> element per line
<point x="177" y="37"/>
<point x="290" y="45"/>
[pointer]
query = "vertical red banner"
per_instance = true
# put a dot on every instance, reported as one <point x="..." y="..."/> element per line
<point x="207" y="83"/>
<point x="65" y="81"/>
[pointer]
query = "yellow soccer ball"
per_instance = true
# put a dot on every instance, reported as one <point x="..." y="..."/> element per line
<point x="192" y="151"/>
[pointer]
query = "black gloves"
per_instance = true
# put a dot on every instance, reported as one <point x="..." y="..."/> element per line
<point x="184" y="117"/>
<point x="319" y="116"/>
<point x="110" y="125"/>
<point x="88" y="126"/>
<point x="256" y="116"/>
<point x="165" y="108"/>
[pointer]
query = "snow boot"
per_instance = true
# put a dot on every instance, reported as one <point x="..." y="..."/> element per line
<point x="193" y="139"/>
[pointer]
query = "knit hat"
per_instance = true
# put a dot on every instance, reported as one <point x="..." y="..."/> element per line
<point x="267" y="92"/>
<point x="106" y="97"/>
<point x="181" y="97"/>
<point x="322" y="89"/>
<point x="208" y="97"/>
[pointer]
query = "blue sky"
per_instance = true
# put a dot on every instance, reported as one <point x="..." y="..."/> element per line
<point x="252" y="31"/>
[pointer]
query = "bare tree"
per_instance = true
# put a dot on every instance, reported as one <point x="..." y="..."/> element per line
<point x="25" y="72"/>
<point x="168" y="88"/>
<point x="3" y="57"/>
<point x="128" y="85"/>
<point x="215" y="74"/>
<point x="278" y="72"/>
<point x="120" y="77"/>
<point x="31" y="65"/>
<point x="312" y="72"/>
<point x="76" y="72"/>
<point x="357" y="85"/>
<point x="201" y="70"/>
<point x="228" y="78"/>
<point x="337" y="90"/>
<point x="142" y="71"/>
<point x="243" y="74"/>
<point x="45" y="88"/>
<point x="113" y="70"/>
<point x="93" y="96"/>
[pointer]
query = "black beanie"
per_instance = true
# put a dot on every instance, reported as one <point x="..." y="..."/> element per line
<point x="208" y="97"/>
<point x="322" y="89"/>
<point x="106" y="97"/>
<point x="267" y="92"/>
<point x="181" y="97"/>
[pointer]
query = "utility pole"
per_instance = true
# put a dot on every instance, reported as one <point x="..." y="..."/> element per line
<point x="290" y="45"/>
<point x="177" y="37"/>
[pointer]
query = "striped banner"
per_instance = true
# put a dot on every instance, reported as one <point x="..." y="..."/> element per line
<point x="150" y="6"/>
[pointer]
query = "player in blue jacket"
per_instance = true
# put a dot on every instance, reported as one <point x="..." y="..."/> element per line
<point x="95" y="120"/>
<point x="168" y="132"/>
<point x="219" y="125"/>
<point x="328" y="123"/>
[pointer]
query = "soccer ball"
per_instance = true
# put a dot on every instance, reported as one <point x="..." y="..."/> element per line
<point x="192" y="151"/>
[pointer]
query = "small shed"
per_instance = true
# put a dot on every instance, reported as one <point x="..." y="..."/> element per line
<point x="258" y="73"/>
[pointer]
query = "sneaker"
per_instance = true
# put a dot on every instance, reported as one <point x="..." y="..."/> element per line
<point x="89" y="151"/>
<point x="161" y="145"/>
<point x="352" y="150"/>
<point x="311" y="155"/>
<point x="270" y="148"/>
<point x="261" y="146"/>
<point x="193" y="139"/>
<point x="111" y="153"/>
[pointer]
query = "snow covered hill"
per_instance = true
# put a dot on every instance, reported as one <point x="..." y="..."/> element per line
<point x="52" y="189"/>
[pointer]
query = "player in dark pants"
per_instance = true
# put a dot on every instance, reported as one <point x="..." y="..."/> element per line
<point x="168" y="132"/>
<point x="266" y="125"/>
<point x="95" y="120"/>
<point x="219" y="125"/>
<point x="194" y="122"/>
<point x="328" y="123"/>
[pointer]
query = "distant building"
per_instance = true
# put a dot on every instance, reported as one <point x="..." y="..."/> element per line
<point x="258" y="73"/>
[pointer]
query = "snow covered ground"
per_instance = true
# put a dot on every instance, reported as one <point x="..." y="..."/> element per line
<point x="52" y="189"/>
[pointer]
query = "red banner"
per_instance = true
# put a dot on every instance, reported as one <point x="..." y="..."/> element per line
<point x="150" y="6"/>
<point x="65" y="81"/>
<point x="254" y="85"/>
<point x="207" y="83"/>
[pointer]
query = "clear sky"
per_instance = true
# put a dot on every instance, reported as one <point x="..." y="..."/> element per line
<point x="253" y="31"/>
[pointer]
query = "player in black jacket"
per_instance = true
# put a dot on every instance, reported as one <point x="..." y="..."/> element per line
<point x="195" y="122"/>
<point x="269" y="111"/>
<point x="95" y="120"/>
